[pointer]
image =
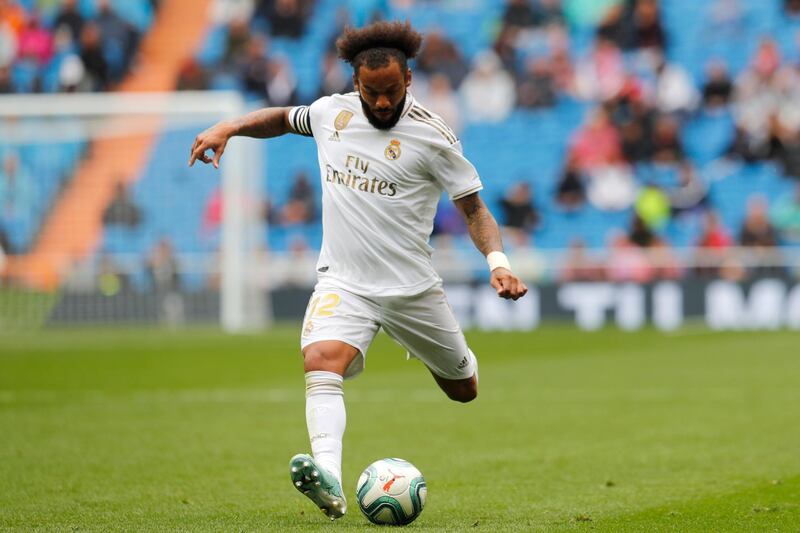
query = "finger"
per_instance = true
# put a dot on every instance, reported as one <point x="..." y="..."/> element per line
<point x="519" y="290"/>
<point x="495" y="283"/>
<point x="192" y="150"/>
<point x="218" y="154"/>
<point x="505" y="291"/>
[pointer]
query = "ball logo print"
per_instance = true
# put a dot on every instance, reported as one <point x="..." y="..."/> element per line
<point x="391" y="492"/>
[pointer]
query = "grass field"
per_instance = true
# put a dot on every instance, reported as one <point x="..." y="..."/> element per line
<point x="140" y="430"/>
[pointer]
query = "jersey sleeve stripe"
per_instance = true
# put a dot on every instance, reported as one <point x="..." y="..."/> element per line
<point x="468" y="192"/>
<point x="300" y="121"/>
<point x="427" y="114"/>
<point x="450" y="137"/>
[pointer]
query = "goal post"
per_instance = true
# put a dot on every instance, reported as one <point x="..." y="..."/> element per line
<point x="72" y="154"/>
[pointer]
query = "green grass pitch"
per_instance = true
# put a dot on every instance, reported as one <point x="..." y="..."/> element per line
<point x="141" y="430"/>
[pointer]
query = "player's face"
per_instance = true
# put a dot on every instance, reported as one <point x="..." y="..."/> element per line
<point x="383" y="93"/>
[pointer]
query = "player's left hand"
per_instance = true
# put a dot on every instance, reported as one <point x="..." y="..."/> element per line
<point x="507" y="284"/>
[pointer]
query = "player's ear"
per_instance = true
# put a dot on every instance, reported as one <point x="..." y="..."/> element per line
<point x="408" y="78"/>
<point x="355" y="81"/>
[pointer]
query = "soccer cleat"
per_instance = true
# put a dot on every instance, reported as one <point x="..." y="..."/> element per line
<point x="319" y="485"/>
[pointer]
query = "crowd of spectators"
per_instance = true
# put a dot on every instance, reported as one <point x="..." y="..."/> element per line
<point x="639" y="104"/>
<point x="629" y="153"/>
<point x="57" y="48"/>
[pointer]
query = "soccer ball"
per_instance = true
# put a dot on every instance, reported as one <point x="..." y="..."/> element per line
<point x="391" y="492"/>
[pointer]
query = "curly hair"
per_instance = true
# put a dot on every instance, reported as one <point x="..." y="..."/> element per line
<point x="376" y="44"/>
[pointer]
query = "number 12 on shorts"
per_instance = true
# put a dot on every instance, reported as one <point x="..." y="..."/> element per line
<point x="323" y="305"/>
<point x="320" y="307"/>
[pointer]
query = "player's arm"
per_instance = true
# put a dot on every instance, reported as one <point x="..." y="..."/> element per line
<point x="261" y="124"/>
<point x="486" y="235"/>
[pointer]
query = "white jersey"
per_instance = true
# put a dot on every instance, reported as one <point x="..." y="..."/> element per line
<point x="380" y="189"/>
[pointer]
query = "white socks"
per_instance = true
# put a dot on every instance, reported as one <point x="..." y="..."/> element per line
<point x="326" y="419"/>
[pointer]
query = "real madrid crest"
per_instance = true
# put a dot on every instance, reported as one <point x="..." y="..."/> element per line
<point x="342" y="120"/>
<point x="392" y="151"/>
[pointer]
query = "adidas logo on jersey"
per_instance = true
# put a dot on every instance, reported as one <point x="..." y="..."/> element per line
<point x="335" y="137"/>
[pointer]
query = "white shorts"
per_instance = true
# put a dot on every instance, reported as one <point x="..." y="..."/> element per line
<point x="424" y="324"/>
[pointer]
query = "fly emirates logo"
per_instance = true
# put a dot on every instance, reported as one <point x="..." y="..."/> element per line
<point x="356" y="178"/>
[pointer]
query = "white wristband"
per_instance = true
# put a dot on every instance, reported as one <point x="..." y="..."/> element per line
<point x="497" y="260"/>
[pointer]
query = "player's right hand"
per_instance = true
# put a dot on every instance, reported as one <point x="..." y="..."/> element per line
<point x="215" y="139"/>
<point x="507" y="285"/>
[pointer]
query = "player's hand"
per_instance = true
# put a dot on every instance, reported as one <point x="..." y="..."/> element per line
<point x="215" y="139"/>
<point x="507" y="284"/>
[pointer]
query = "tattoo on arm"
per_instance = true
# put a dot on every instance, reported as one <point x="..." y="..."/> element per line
<point x="263" y="123"/>
<point x="481" y="224"/>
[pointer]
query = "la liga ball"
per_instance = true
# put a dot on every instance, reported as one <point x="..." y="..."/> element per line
<point x="391" y="492"/>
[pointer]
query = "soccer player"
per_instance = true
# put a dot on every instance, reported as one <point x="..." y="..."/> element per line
<point x="384" y="161"/>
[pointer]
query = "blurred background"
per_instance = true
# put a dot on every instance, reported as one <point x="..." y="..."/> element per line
<point x="642" y="157"/>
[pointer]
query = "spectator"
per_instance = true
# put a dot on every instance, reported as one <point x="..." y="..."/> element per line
<point x="520" y="216"/>
<point x="163" y="270"/>
<point x="281" y="86"/>
<point x="162" y="267"/>
<point x="488" y="90"/>
<point x="93" y="59"/>
<point x="602" y="75"/>
<point x="718" y="88"/>
<point x="8" y="45"/>
<point x="518" y="14"/>
<point x="440" y="99"/>
<point x="627" y="262"/>
<point x="117" y="34"/>
<point x="579" y="266"/>
<point x="648" y="33"/>
<point x="757" y="231"/>
<point x="122" y="210"/>
<point x="70" y="18"/>
<point x="785" y="216"/>
<point x="448" y="221"/>
<point x="570" y="192"/>
<point x="253" y="67"/>
<point x="612" y="186"/>
<point x="224" y="11"/>
<point x="212" y="212"/>
<point x="6" y="249"/>
<point x="335" y="79"/>
<point x="712" y="258"/>
<point x="505" y="47"/>
<point x="6" y="84"/>
<point x="238" y="41"/>
<point x="72" y="75"/>
<point x="675" y="92"/>
<point x="301" y="207"/>
<point x="440" y="55"/>
<point x="536" y="86"/>
<point x="35" y="42"/>
<point x="652" y="207"/>
<point x="111" y="280"/>
<point x="547" y="12"/>
<point x="690" y="193"/>
<point x="597" y="143"/>
<point x="192" y="76"/>
<point x="641" y="233"/>
<point x="287" y="18"/>
<point x="792" y="8"/>
<point x="667" y="147"/>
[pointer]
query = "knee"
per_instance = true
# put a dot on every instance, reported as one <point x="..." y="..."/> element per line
<point x="464" y="392"/>
<point x="318" y="358"/>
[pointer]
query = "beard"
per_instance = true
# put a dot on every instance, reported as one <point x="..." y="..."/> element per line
<point x="379" y="123"/>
